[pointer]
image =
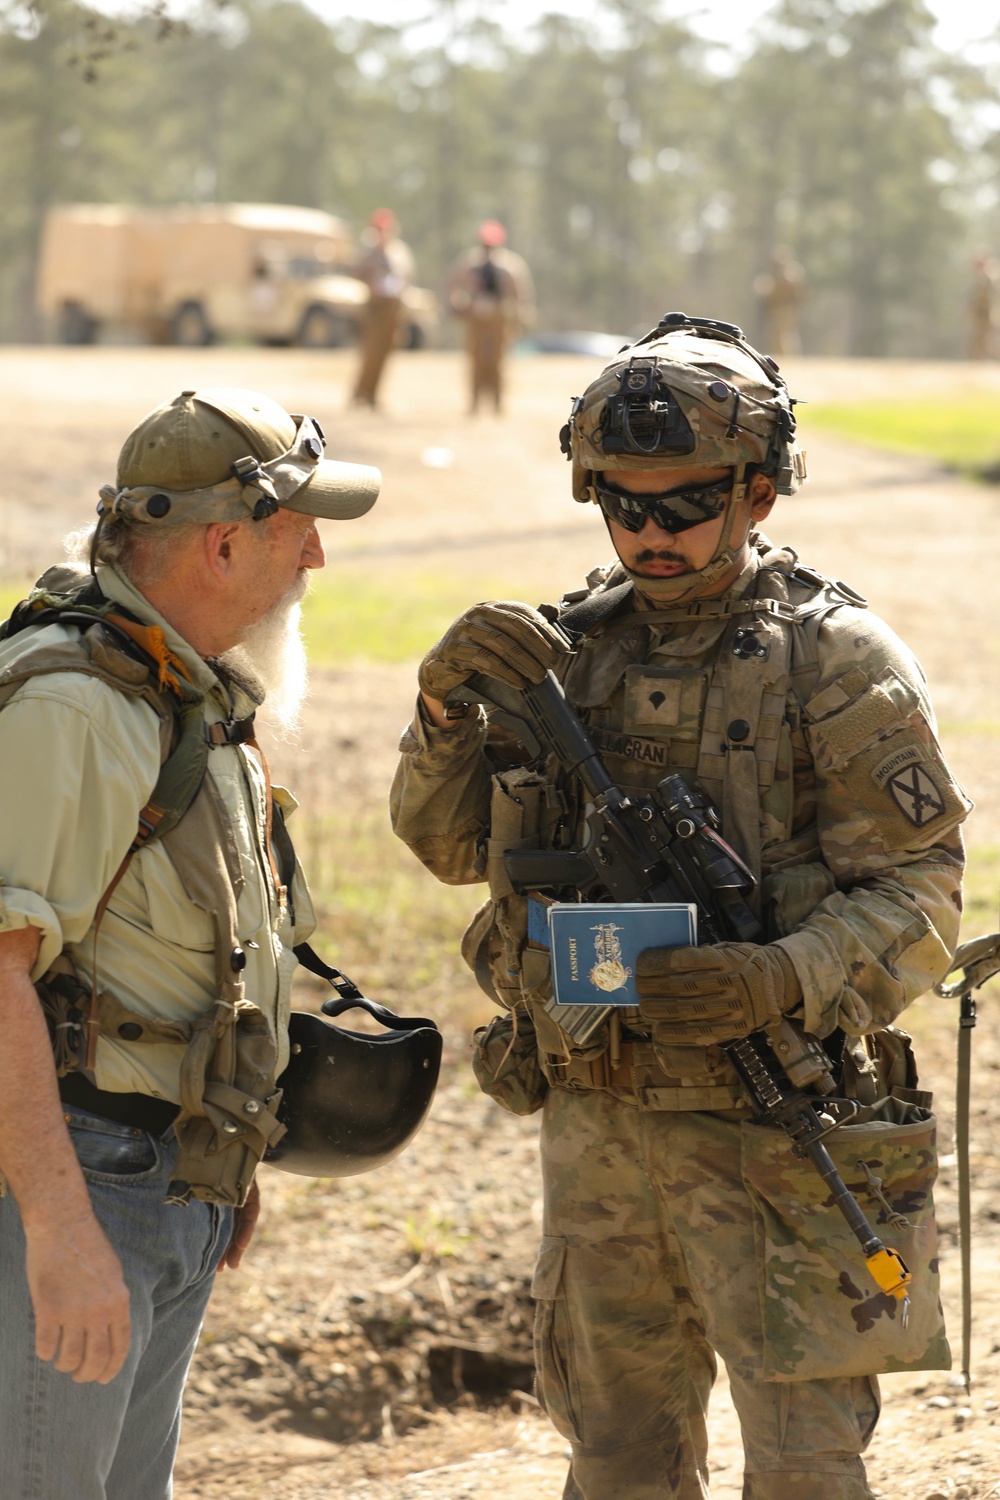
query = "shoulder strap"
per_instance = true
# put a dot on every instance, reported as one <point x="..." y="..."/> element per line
<point x="581" y="616"/>
<point x="805" y="598"/>
<point x="58" y="592"/>
<point x="119" y="651"/>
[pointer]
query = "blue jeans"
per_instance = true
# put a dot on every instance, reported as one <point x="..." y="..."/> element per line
<point x="63" y="1441"/>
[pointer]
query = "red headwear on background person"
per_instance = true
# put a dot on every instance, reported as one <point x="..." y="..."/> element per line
<point x="492" y="233"/>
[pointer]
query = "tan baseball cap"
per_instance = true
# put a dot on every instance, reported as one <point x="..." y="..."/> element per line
<point x="223" y="454"/>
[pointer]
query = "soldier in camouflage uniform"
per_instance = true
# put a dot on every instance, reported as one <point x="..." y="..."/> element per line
<point x="676" y="1227"/>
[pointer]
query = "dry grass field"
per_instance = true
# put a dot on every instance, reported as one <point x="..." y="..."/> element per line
<point x="394" y="1307"/>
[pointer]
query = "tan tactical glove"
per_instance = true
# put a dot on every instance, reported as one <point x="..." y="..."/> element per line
<point x="697" y="996"/>
<point x="501" y="639"/>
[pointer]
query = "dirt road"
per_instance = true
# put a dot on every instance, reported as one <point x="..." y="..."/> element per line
<point x="376" y="1304"/>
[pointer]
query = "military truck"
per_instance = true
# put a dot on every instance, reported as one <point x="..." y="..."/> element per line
<point x="192" y="275"/>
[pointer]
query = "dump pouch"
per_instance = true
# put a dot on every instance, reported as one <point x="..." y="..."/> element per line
<point x="823" y="1317"/>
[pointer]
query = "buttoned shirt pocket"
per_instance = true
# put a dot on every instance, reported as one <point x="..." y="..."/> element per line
<point x="173" y="916"/>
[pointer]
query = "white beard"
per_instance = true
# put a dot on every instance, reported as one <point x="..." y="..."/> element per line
<point x="273" y="653"/>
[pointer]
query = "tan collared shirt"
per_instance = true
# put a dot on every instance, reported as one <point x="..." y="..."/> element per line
<point x="78" y="761"/>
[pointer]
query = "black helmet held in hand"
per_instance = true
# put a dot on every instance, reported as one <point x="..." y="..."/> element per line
<point x="352" y="1100"/>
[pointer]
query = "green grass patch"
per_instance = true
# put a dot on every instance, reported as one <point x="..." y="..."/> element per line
<point x="959" y="728"/>
<point x="961" y="432"/>
<point x="11" y="594"/>
<point x="386" y="619"/>
<point x="981" y="889"/>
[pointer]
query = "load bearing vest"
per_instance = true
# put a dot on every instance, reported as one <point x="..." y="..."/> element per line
<point x="229" y="1102"/>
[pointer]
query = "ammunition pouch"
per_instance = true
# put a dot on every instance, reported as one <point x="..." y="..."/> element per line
<point x="505" y="1062"/>
<point x="879" y="1066"/>
<point x="524" y="810"/>
<point x="637" y="1076"/>
<point x="229" y="1105"/>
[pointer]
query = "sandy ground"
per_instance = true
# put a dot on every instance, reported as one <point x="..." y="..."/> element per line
<point x="306" y="1344"/>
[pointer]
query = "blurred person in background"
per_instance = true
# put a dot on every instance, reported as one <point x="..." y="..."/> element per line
<point x="386" y="268"/>
<point x="491" y="290"/>
<point x="781" y="292"/>
<point x="983" y="305"/>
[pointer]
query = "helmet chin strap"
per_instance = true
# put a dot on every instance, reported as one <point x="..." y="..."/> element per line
<point x="693" y="585"/>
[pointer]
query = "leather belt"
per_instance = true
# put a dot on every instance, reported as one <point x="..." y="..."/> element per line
<point x="138" y="1110"/>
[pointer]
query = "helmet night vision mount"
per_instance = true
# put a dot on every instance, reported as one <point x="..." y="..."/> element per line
<point x="643" y="417"/>
<point x="691" y="390"/>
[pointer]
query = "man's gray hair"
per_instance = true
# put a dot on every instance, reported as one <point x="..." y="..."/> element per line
<point x="123" y="546"/>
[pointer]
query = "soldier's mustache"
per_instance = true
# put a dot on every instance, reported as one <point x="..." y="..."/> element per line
<point x="654" y="554"/>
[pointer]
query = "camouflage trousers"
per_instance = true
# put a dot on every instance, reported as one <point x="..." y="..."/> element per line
<point x="648" y="1268"/>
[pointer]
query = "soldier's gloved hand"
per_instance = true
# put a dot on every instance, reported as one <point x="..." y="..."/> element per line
<point x="697" y="996"/>
<point x="502" y="639"/>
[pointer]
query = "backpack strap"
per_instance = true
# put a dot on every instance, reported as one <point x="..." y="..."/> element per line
<point x="120" y="651"/>
<point x="582" y="615"/>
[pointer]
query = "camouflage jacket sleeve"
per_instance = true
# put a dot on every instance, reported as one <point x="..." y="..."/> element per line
<point x="887" y="822"/>
<point x="440" y="798"/>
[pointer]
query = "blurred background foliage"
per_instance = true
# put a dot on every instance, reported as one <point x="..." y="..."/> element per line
<point x="636" y="166"/>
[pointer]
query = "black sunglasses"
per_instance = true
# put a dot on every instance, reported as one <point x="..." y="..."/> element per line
<point x="672" y="510"/>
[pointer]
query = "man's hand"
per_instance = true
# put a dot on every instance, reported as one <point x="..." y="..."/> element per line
<point x="244" y="1224"/>
<point x="80" y="1299"/>
<point x="78" y="1293"/>
<point x="698" y="996"/>
<point x="502" y="639"/>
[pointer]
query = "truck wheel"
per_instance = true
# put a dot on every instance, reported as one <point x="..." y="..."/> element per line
<point x="75" y="325"/>
<point x="189" y="326"/>
<point x="322" y="328"/>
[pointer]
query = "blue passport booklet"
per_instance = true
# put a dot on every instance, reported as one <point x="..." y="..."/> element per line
<point x="594" y="946"/>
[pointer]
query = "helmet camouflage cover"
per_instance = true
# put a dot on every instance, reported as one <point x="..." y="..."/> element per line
<point x="691" y="391"/>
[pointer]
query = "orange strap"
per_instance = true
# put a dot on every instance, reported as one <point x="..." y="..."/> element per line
<point x="151" y="639"/>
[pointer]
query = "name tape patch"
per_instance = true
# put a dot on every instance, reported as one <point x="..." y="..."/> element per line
<point x="633" y="746"/>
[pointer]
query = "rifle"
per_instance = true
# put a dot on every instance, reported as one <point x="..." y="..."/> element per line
<point x="665" y="846"/>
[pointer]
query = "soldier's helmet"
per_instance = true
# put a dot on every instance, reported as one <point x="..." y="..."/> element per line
<point x="692" y="390"/>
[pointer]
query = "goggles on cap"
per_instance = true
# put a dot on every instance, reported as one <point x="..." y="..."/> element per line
<point x="255" y="490"/>
<point x="672" y="510"/>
